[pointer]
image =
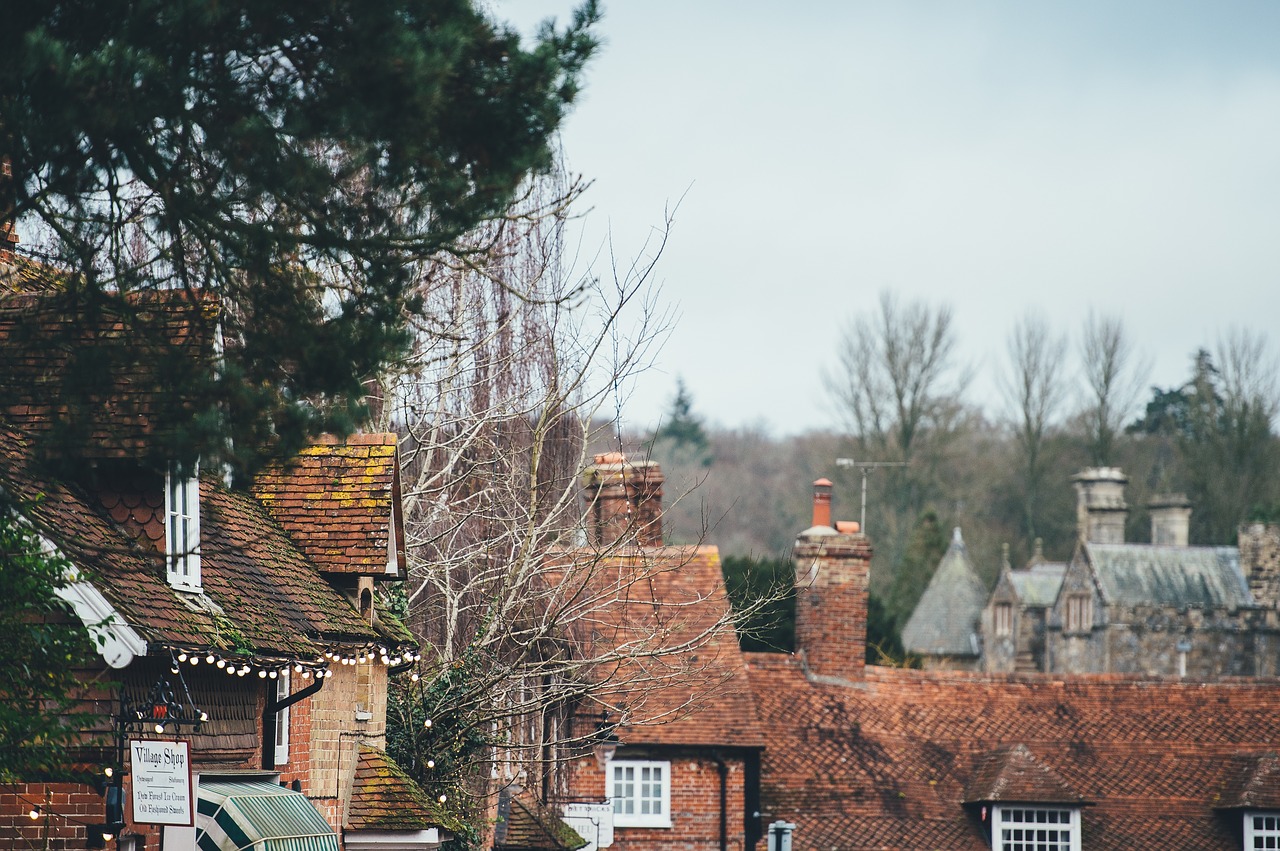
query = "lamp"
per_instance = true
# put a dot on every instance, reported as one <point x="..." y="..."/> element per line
<point x="604" y="742"/>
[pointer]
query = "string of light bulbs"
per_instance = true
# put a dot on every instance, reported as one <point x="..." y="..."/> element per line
<point x="319" y="667"/>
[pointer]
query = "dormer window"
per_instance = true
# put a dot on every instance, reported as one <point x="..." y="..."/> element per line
<point x="182" y="528"/>
<point x="1261" y="830"/>
<point x="1032" y="828"/>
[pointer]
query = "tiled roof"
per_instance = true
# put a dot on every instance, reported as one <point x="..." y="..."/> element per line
<point x="887" y="763"/>
<point x="1014" y="774"/>
<point x="525" y="825"/>
<point x="1037" y="586"/>
<point x="260" y="594"/>
<point x="945" y="621"/>
<point x="336" y="500"/>
<point x="383" y="797"/>
<point x="112" y="372"/>
<point x="1144" y="574"/>
<point x="680" y="681"/>
<point x="1252" y="783"/>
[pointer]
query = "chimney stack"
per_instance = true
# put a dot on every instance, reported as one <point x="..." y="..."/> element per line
<point x="1170" y="519"/>
<point x="1260" y="561"/>
<point x="624" y="499"/>
<point x="832" y="567"/>
<point x="1100" y="508"/>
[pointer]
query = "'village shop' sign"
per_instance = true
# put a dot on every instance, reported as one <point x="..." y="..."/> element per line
<point x="162" y="783"/>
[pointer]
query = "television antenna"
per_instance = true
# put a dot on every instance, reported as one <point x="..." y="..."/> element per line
<point x="865" y="466"/>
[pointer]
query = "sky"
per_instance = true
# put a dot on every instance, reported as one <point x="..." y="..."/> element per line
<point x="998" y="157"/>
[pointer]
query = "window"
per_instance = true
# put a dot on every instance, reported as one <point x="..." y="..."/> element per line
<point x="641" y="794"/>
<point x="282" y="720"/>
<point x="182" y="529"/>
<point x="1003" y="618"/>
<point x="1261" y="830"/>
<point x="1036" y="829"/>
<point x="1079" y="613"/>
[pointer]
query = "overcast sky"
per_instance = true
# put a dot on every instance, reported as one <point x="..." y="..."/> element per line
<point x="1000" y="157"/>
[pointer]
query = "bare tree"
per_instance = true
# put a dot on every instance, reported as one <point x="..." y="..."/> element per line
<point x="1034" y="389"/>
<point x="1115" y="376"/>
<point x="519" y="612"/>
<point x="900" y="388"/>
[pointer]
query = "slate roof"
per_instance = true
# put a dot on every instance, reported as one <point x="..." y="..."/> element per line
<point x="337" y="500"/>
<point x="383" y="797"/>
<point x="890" y="763"/>
<point x="1037" y="586"/>
<point x="945" y="621"/>
<point x="1144" y="574"/>
<point x="675" y="688"/>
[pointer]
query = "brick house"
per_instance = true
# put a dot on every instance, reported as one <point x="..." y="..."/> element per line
<point x="685" y="772"/>
<point x="863" y="757"/>
<point x="243" y="623"/>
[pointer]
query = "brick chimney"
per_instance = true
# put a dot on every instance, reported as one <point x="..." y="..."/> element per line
<point x="624" y="501"/>
<point x="1100" y="508"/>
<point x="832" y="567"/>
<point x="1170" y="519"/>
<point x="1260" y="561"/>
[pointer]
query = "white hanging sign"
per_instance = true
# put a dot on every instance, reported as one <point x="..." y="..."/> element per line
<point x="162" y="789"/>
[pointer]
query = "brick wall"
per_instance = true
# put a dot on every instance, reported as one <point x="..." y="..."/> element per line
<point x="695" y="803"/>
<point x="1260" y="561"/>
<point x="831" y="602"/>
<point x="69" y="806"/>
<point x="335" y="732"/>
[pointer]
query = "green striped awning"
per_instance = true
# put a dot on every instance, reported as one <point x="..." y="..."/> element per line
<point x="233" y="815"/>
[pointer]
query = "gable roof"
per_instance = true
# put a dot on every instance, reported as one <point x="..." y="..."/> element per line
<point x="1037" y="585"/>
<point x="1145" y="574"/>
<point x="261" y="598"/>
<point x="339" y="501"/>
<point x="945" y="621"/>
<point x="1013" y="774"/>
<point x="678" y="680"/>
<point x="890" y="762"/>
<point x="525" y="825"/>
<point x="383" y="797"/>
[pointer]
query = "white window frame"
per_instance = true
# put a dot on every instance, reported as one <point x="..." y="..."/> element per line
<point x="631" y="784"/>
<point x="282" y="720"/>
<point x="1009" y="819"/>
<point x="1002" y="619"/>
<point x="1256" y="835"/>
<point x="182" y="529"/>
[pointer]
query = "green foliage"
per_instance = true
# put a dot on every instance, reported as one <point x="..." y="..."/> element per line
<point x="444" y="756"/>
<point x="762" y="593"/>
<point x="925" y="548"/>
<point x="680" y="426"/>
<point x="296" y="159"/>
<point x="44" y="644"/>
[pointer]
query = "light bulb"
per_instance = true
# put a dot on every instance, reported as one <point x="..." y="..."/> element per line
<point x="242" y="672"/>
<point x="306" y="675"/>
<point x="209" y="659"/>
<point x="297" y="669"/>
<point x="443" y="798"/>
<point x="108" y="771"/>
<point x="159" y="728"/>
<point x="204" y="716"/>
<point x="431" y="763"/>
<point x="428" y="723"/>
<point x="262" y="675"/>
<point x="182" y="657"/>
<point x="35" y="813"/>
<point x="415" y="678"/>
<point x="222" y="663"/>
<point x="194" y="660"/>
<point x="272" y="674"/>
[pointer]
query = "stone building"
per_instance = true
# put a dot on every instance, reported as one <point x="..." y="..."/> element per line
<point x="1015" y="616"/>
<point x="1163" y="608"/>
<point x="944" y="629"/>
